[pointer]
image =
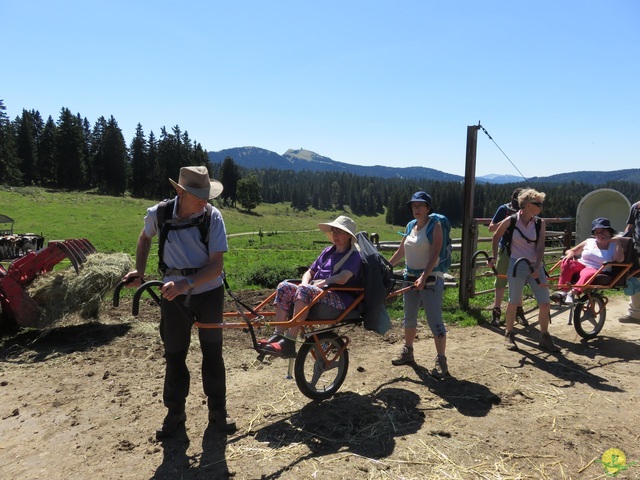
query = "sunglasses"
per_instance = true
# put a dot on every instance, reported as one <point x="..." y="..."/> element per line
<point x="537" y="204"/>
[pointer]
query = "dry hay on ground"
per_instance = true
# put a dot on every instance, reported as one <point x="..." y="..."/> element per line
<point x="65" y="292"/>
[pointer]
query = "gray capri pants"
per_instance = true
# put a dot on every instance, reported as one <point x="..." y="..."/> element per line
<point x="431" y="299"/>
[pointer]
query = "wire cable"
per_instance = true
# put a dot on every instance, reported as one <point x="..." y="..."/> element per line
<point x="494" y="142"/>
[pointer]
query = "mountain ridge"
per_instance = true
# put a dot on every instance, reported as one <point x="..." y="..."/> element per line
<point x="302" y="159"/>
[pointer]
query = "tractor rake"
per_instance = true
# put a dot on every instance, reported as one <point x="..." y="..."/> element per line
<point x="17" y="305"/>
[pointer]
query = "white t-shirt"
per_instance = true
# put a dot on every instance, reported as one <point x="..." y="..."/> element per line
<point x="417" y="250"/>
<point x="594" y="257"/>
<point x="523" y="240"/>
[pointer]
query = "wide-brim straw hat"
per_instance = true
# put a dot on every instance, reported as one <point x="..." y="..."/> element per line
<point x="196" y="181"/>
<point x="344" y="223"/>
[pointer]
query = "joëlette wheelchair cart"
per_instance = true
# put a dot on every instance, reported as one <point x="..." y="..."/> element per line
<point x="322" y="360"/>
<point x="589" y="311"/>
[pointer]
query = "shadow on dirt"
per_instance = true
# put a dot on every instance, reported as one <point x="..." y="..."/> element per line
<point x="613" y="348"/>
<point x="212" y="463"/>
<point x="468" y="398"/>
<point x="32" y="346"/>
<point x="560" y="366"/>
<point x="363" y="425"/>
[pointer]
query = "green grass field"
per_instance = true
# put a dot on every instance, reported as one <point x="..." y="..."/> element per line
<point x="289" y="239"/>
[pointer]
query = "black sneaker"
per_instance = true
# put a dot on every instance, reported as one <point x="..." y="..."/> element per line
<point x="522" y="320"/>
<point x="222" y="420"/>
<point x="170" y="425"/>
<point x="496" y="313"/>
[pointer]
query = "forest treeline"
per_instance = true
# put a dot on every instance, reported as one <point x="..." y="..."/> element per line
<point x="70" y="153"/>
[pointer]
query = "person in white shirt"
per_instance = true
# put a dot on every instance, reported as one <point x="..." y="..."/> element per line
<point x="586" y="258"/>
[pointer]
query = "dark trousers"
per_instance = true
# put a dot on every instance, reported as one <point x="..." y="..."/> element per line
<point x="177" y="321"/>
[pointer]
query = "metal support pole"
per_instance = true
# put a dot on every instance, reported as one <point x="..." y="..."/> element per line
<point x="468" y="229"/>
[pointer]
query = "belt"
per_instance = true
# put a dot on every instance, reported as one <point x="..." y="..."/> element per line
<point x="180" y="271"/>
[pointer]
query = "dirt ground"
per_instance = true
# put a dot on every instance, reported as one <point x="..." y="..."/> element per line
<point x="84" y="400"/>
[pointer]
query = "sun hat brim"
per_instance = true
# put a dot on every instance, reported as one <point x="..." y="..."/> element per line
<point x="339" y="223"/>
<point x="214" y="190"/>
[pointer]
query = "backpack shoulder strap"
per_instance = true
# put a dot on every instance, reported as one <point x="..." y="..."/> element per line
<point x="410" y="225"/>
<point x="204" y="226"/>
<point x="166" y="224"/>
<point x="513" y="219"/>
<point x="431" y="225"/>
<point x="508" y="234"/>
<point x="164" y="213"/>
<point x="338" y="266"/>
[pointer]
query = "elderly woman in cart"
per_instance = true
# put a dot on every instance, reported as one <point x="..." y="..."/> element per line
<point x="586" y="258"/>
<point x="338" y="264"/>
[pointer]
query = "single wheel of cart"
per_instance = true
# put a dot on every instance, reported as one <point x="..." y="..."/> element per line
<point x="321" y="365"/>
<point x="589" y="314"/>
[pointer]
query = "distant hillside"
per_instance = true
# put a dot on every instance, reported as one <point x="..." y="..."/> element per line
<point x="496" y="178"/>
<point x="631" y="175"/>
<point x="298" y="160"/>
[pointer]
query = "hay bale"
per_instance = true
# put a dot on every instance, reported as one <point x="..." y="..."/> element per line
<point x="62" y="293"/>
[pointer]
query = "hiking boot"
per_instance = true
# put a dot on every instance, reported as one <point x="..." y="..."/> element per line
<point x="441" y="369"/>
<point x="285" y="348"/>
<point x="406" y="356"/>
<point x="222" y="420"/>
<point x="170" y="425"/>
<point x="628" y="319"/>
<point x="522" y="320"/>
<point x="546" y="342"/>
<point x="495" y="316"/>
<point x="510" y="341"/>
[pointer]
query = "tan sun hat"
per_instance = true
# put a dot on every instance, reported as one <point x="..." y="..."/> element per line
<point x="343" y="223"/>
<point x="196" y="181"/>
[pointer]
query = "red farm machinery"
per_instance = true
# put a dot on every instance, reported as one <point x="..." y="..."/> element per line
<point x="17" y="306"/>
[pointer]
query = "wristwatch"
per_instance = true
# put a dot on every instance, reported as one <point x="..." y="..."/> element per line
<point x="189" y="281"/>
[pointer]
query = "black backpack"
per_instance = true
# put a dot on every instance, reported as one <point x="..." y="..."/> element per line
<point x="166" y="223"/>
<point x="508" y="234"/>
<point x="377" y="280"/>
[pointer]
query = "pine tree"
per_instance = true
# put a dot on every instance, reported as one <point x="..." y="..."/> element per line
<point x="9" y="169"/>
<point x="69" y="152"/>
<point x="140" y="167"/>
<point x="229" y="176"/>
<point x="97" y="161"/>
<point x="116" y="159"/>
<point x="154" y="184"/>
<point x="46" y="148"/>
<point x="26" y="147"/>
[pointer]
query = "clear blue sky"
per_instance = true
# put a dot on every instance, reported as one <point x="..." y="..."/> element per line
<point x="556" y="83"/>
